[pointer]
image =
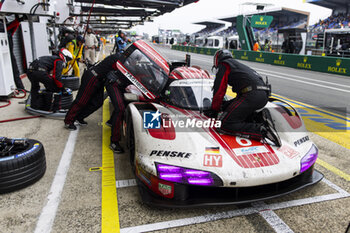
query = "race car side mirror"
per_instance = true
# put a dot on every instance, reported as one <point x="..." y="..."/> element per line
<point x="188" y="60"/>
<point x="177" y="63"/>
<point x="131" y="97"/>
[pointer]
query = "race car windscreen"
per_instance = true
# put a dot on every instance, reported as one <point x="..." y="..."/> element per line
<point x="194" y="94"/>
<point x="146" y="71"/>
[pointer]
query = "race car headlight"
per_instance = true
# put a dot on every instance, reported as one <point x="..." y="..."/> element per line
<point x="309" y="159"/>
<point x="187" y="175"/>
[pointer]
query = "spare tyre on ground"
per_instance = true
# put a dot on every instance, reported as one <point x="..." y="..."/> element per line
<point x="22" y="163"/>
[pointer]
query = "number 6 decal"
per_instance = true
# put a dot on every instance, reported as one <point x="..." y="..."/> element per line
<point x="243" y="141"/>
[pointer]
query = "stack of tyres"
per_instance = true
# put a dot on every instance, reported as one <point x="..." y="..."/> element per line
<point x="71" y="82"/>
<point x="62" y="101"/>
<point x="54" y="105"/>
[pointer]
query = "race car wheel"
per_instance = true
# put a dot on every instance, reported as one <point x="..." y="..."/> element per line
<point x="21" y="165"/>
<point x="72" y="83"/>
<point x="131" y="143"/>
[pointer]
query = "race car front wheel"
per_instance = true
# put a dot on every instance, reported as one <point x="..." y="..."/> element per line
<point x="131" y="143"/>
<point x="22" y="163"/>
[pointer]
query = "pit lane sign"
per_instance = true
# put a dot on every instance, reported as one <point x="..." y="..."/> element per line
<point x="261" y="21"/>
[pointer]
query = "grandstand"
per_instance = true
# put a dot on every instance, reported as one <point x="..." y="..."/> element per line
<point x="332" y="35"/>
<point x="336" y="5"/>
<point x="340" y="17"/>
<point x="283" y="18"/>
<point x="211" y="27"/>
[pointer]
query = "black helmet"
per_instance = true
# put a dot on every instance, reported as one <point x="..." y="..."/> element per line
<point x="221" y="55"/>
<point x="120" y="32"/>
<point x="80" y="38"/>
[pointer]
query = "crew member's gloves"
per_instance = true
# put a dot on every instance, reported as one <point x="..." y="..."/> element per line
<point x="211" y="113"/>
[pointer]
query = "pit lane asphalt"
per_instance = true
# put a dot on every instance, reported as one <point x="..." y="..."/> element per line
<point x="80" y="203"/>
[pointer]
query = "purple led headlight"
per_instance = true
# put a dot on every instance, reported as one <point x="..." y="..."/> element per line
<point x="309" y="159"/>
<point x="184" y="175"/>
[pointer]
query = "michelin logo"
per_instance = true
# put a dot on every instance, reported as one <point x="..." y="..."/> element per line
<point x="151" y="120"/>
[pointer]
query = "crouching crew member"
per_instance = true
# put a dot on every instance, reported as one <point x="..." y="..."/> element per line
<point x="39" y="72"/>
<point x="115" y="85"/>
<point x="252" y="94"/>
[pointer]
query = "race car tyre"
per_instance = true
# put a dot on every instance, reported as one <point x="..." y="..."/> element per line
<point x="21" y="168"/>
<point x="72" y="83"/>
<point x="131" y="141"/>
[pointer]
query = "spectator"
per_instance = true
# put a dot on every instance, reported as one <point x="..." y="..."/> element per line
<point x="91" y="44"/>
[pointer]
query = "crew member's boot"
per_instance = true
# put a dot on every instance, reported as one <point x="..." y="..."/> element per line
<point x="116" y="147"/>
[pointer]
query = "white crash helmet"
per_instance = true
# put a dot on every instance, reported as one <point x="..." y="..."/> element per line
<point x="65" y="55"/>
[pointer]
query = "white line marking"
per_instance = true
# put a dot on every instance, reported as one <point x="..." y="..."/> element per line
<point x="306" y="201"/>
<point x="189" y="221"/>
<point x="48" y="213"/>
<point x="301" y="77"/>
<point x="300" y="81"/>
<point x="240" y="212"/>
<point x="272" y="218"/>
<point x="126" y="183"/>
<point x="333" y="186"/>
<point x="275" y="222"/>
<point x="274" y="74"/>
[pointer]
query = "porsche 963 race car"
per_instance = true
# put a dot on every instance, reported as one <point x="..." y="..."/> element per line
<point x="177" y="154"/>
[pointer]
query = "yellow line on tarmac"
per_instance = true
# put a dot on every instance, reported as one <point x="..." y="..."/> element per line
<point x="341" y="137"/>
<point x="109" y="206"/>
<point x="333" y="169"/>
<point x="335" y="114"/>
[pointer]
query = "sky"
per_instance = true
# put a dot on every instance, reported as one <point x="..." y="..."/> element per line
<point x="184" y="17"/>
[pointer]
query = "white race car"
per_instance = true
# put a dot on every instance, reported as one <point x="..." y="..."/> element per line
<point x="177" y="154"/>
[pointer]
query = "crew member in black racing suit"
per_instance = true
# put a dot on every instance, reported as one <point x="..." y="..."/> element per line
<point x="252" y="94"/>
<point x="91" y="95"/>
<point x="39" y="72"/>
<point x="115" y="84"/>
